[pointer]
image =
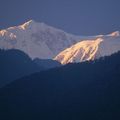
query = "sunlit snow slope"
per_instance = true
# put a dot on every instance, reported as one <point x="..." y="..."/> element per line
<point x="85" y="50"/>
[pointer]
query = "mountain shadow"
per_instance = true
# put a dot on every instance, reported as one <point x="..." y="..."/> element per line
<point x="81" y="91"/>
<point x="47" y="63"/>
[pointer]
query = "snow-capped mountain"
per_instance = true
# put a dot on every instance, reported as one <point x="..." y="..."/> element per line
<point x="38" y="40"/>
<point x="42" y="41"/>
<point x="102" y="45"/>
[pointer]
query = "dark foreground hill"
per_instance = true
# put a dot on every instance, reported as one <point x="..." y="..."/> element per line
<point x="85" y="91"/>
<point x="15" y="64"/>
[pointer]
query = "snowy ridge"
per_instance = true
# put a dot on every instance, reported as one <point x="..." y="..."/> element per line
<point x="36" y="39"/>
<point x="42" y="41"/>
<point x="90" y="49"/>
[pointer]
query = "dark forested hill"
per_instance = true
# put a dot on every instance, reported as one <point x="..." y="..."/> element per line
<point x="15" y="64"/>
<point x="83" y="91"/>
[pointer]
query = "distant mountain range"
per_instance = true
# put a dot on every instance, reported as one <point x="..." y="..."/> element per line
<point x="42" y="41"/>
<point x="46" y="63"/>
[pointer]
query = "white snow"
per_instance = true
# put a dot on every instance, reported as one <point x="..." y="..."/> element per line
<point x="42" y="41"/>
<point x="90" y="49"/>
<point x="36" y="39"/>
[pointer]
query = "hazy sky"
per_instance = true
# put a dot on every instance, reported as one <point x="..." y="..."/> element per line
<point x="83" y="17"/>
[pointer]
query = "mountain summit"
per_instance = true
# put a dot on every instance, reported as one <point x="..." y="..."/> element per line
<point x="38" y="40"/>
<point x="27" y="24"/>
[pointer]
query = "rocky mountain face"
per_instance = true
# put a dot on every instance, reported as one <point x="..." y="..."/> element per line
<point x="86" y="50"/>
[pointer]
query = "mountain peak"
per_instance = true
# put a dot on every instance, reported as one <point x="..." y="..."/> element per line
<point x="33" y="24"/>
<point x="115" y="34"/>
<point x="28" y="23"/>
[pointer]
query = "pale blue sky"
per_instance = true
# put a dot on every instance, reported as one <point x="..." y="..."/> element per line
<point x="82" y="17"/>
